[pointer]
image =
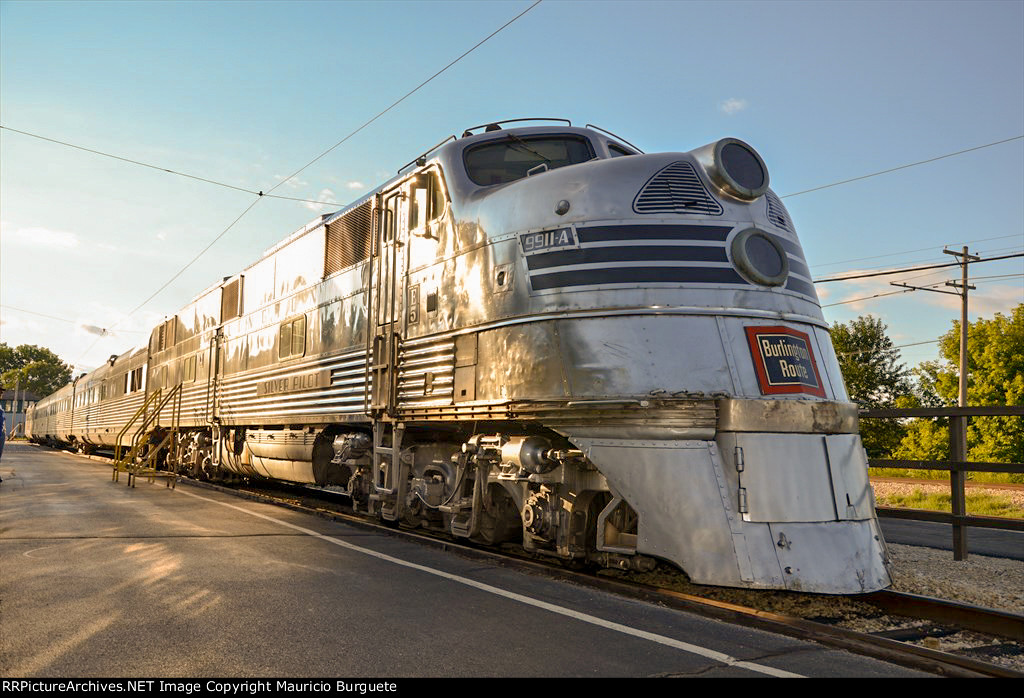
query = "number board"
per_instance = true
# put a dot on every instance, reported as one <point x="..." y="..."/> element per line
<point x="549" y="240"/>
<point x="784" y="361"/>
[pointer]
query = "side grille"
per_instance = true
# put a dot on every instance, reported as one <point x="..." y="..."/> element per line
<point x="348" y="238"/>
<point x="230" y="300"/>
<point x="777" y="213"/>
<point x="676" y="189"/>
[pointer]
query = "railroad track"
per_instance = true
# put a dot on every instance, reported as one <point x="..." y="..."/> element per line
<point x="896" y="627"/>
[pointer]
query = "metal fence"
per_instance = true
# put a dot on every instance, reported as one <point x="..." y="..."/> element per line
<point x="958" y="467"/>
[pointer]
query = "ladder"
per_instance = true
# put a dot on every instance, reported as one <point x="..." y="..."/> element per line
<point x="389" y="469"/>
<point x="140" y="458"/>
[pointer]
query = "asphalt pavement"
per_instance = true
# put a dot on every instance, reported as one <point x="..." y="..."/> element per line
<point x="101" y="580"/>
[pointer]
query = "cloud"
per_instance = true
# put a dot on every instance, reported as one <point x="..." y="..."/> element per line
<point x="292" y="182"/>
<point x="988" y="300"/>
<point x="355" y="185"/>
<point x="325" y="195"/>
<point x="17" y="322"/>
<point x="732" y="105"/>
<point x="43" y="237"/>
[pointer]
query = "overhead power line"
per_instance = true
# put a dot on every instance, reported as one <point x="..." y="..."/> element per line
<point x="995" y="277"/>
<point x="194" y="259"/>
<point x="898" y="346"/>
<point x="919" y="261"/>
<point x="903" y="167"/>
<point x="409" y="93"/>
<point x="382" y="113"/>
<point x="867" y="298"/>
<point x="920" y="249"/>
<point x="129" y="160"/>
<point x="887" y="293"/>
<point x="976" y="279"/>
<point x="62" y="319"/>
<point x="321" y="155"/>
<point x="31" y="312"/>
<point x="261" y="194"/>
<point x="160" y="168"/>
<point x="900" y="271"/>
<point x="178" y="273"/>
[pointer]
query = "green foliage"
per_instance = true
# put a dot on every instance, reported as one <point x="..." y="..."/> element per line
<point x="981" y="478"/>
<point x="995" y="376"/>
<point x="869" y="362"/>
<point x="35" y="369"/>
<point x="7" y="358"/>
<point x="874" y="379"/>
<point x="911" y="474"/>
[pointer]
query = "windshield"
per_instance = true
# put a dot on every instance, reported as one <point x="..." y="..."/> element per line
<point x="512" y="158"/>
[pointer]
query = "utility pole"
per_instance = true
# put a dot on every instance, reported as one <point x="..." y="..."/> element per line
<point x="964" y="260"/>
<point x="958" y="424"/>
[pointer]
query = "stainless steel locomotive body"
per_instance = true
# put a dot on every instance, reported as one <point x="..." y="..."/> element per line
<point x="540" y="334"/>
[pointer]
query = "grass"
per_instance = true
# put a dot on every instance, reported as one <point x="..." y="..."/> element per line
<point x="984" y="478"/>
<point x="978" y="503"/>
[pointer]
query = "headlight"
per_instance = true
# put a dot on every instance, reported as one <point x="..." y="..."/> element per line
<point x="735" y="168"/>
<point x="760" y="257"/>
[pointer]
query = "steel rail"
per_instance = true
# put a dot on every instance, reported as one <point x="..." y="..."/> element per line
<point x="970" y="617"/>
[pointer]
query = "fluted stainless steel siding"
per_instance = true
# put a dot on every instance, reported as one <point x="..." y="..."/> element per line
<point x="240" y="402"/>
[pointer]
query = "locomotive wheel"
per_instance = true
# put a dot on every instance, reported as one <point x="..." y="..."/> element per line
<point x="197" y="460"/>
<point x="499" y="519"/>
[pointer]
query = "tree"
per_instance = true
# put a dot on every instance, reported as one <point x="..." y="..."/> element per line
<point x="35" y="369"/>
<point x="874" y="379"/>
<point x="995" y="376"/>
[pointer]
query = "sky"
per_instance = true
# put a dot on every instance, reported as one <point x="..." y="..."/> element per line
<point x="247" y="93"/>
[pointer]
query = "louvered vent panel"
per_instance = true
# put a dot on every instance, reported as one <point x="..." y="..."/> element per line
<point x="676" y="189"/>
<point x="348" y="239"/>
<point x="777" y="213"/>
<point x="229" y="300"/>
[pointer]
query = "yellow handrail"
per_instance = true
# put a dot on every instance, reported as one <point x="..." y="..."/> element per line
<point x="147" y="466"/>
<point x="119" y="463"/>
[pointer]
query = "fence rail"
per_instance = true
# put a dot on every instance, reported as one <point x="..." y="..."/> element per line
<point x="957" y="465"/>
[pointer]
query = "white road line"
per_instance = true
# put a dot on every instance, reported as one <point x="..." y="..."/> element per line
<point x="568" y="612"/>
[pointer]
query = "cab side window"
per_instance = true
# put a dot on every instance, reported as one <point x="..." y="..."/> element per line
<point x="427" y="199"/>
<point x="188" y="369"/>
<point x="291" y="340"/>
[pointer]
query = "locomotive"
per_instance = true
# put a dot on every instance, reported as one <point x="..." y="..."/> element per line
<point x="534" y="334"/>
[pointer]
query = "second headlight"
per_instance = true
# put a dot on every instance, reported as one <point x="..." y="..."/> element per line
<point x="735" y="168"/>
